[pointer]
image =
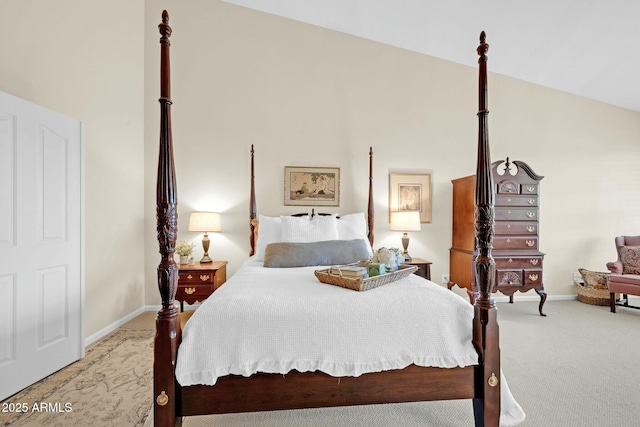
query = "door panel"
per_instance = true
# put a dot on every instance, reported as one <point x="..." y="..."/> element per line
<point x="41" y="276"/>
<point x="7" y="186"/>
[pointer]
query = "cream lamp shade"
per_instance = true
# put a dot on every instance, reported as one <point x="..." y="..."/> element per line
<point x="205" y="222"/>
<point x="405" y="221"/>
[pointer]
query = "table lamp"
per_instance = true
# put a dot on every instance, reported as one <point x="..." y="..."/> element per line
<point x="405" y="221"/>
<point x="207" y="222"/>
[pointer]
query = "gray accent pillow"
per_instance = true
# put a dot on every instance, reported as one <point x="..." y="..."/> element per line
<point x="328" y="252"/>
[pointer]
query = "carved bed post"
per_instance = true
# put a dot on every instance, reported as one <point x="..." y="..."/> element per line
<point x="370" y="209"/>
<point x="252" y="209"/>
<point x="167" y="326"/>
<point x="485" y="327"/>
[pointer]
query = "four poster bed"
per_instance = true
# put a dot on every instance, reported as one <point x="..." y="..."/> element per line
<point x="187" y="381"/>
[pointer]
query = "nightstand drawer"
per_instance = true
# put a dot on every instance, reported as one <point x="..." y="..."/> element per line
<point x="197" y="282"/>
<point x="196" y="277"/>
<point x="424" y="267"/>
<point x="421" y="271"/>
<point x="192" y="294"/>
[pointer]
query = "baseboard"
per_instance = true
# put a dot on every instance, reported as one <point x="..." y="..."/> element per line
<point x="158" y="307"/>
<point x="112" y="327"/>
<point x="520" y="297"/>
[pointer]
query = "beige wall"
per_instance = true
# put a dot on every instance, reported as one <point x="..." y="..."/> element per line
<point x="85" y="60"/>
<point x="304" y="96"/>
<point x="309" y="96"/>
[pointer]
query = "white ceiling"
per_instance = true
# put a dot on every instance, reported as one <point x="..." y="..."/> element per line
<point x="589" y="48"/>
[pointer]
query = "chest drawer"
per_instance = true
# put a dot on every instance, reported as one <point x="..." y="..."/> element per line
<point x="518" y="262"/>
<point x="516" y="214"/>
<point x="516" y="200"/>
<point x="516" y="228"/>
<point x="509" y="278"/>
<point x="515" y="242"/>
<point x="526" y="277"/>
<point x="532" y="277"/>
<point x="529" y="189"/>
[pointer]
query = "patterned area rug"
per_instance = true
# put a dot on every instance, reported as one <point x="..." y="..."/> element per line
<point x="111" y="386"/>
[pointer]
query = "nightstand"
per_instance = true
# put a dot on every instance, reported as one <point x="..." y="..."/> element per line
<point x="424" y="267"/>
<point x="197" y="282"/>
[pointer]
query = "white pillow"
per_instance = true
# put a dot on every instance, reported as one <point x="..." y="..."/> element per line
<point x="269" y="231"/>
<point x="306" y="229"/>
<point x="354" y="226"/>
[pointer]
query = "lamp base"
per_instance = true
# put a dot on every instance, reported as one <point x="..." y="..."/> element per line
<point x="405" y="246"/>
<point x="205" y="245"/>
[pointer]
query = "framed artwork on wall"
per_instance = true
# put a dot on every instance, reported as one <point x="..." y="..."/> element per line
<point x="410" y="192"/>
<point x="311" y="186"/>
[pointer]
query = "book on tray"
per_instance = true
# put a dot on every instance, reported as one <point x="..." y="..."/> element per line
<point x="350" y="271"/>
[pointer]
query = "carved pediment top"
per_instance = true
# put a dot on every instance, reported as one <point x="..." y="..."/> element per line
<point x="516" y="168"/>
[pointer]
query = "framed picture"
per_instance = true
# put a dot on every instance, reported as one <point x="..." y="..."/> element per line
<point x="311" y="186"/>
<point x="410" y="192"/>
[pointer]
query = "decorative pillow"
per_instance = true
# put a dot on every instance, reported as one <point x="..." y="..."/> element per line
<point x="269" y="231"/>
<point x="297" y="254"/>
<point x="354" y="226"/>
<point x="593" y="279"/>
<point x="630" y="257"/>
<point x="306" y="229"/>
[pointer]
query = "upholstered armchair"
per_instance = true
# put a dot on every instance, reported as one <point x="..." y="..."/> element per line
<point x="625" y="272"/>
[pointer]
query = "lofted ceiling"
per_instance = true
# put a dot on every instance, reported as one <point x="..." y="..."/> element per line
<point x="588" y="48"/>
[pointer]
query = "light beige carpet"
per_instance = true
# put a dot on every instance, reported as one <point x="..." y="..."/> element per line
<point x="580" y="366"/>
<point x="110" y="386"/>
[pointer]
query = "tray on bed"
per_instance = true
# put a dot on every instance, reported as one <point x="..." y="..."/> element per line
<point x="360" y="283"/>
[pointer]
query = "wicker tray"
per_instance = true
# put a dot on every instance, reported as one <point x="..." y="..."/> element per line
<point x="361" y="284"/>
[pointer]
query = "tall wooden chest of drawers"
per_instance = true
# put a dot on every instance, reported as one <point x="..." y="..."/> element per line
<point x="516" y="235"/>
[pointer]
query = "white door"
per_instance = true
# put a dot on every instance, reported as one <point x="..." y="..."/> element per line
<point x="41" y="243"/>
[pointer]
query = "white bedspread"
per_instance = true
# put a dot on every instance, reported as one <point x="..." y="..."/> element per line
<point x="270" y="320"/>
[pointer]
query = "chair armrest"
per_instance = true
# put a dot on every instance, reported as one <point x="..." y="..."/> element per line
<point x="615" y="267"/>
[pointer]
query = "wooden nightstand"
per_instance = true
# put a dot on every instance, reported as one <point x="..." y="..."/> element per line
<point x="197" y="282"/>
<point x="424" y="267"/>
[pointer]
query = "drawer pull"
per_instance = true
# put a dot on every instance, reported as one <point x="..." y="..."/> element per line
<point x="533" y="261"/>
<point x="509" y="212"/>
<point x="531" y="229"/>
<point x="189" y="291"/>
<point x="531" y="214"/>
<point x="508" y="199"/>
<point x="531" y="201"/>
<point x="530" y="243"/>
<point x="189" y="277"/>
<point x="533" y="277"/>
<point x="510" y="260"/>
<point x="508" y="240"/>
<point x="530" y="189"/>
<point x="204" y="277"/>
<point x="508" y="225"/>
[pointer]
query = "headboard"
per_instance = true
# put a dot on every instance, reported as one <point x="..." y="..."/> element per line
<point x="253" y="218"/>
